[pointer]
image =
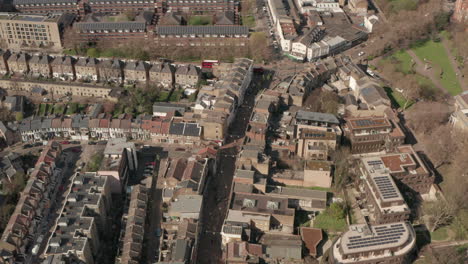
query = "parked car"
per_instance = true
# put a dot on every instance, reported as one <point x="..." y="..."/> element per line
<point x="76" y="150"/>
<point x="92" y="143"/>
<point x="65" y="142"/>
<point x="27" y="146"/>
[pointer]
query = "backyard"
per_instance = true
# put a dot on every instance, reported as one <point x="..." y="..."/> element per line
<point x="333" y="219"/>
<point x="60" y="109"/>
<point x="248" y="20"/>
<point x="200" y="20"/>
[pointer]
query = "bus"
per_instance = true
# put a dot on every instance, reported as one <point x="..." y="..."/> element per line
<point x="208" y="64"/>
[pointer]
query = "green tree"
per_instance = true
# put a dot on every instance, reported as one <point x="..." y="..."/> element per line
<point x="95" y="162"/>
<point x="19" y="116"/>
<point x="93" y="53"/>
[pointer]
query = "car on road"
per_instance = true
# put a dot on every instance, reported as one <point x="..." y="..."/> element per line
<point x="65" y="142"/>
<point x="75" y="142"/>
<point x="361" y="53"/>
<point x="27" y="146"/>
<point x="37" y="144"/>
<point x="157" y="232"/>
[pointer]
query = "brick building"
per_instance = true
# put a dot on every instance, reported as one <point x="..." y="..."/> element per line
<point x="373" y="134"/>
<point x="384" y="201"/>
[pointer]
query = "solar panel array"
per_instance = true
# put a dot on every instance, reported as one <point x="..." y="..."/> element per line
<point x="365" y="122"/>
<point x="385" y="186"/>
<point x="383" y="235"/>
<point x="314" y="135"/>
<point x="374" y="162"/>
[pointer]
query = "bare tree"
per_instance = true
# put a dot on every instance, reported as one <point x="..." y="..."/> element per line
<point x="439" y="213"/>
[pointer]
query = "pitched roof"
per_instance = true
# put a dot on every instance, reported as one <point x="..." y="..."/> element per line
<point x="129" y="25"/>
<point x="202" y="30"/>
<point x="225" y="18"/>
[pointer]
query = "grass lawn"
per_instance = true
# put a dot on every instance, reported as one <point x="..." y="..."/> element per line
<point x="42" y="109"/>
<point x="248" y="21"/>
<point x="48" y="109"/>
<point x="398" y="100"/>
<point x="440" y="234"/>
<point x="406" y="63"/>
<point x="329" y="223"/>
<point x="435" y="53"/>
<point x="162" y="97"/>
<point x="58" y="108"/>
<point x="176" y="95"/>
<point x="200" y="20"/>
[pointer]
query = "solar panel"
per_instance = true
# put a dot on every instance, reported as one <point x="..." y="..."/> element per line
<point x="383" y="235"/>
<point x="385" y="187"/>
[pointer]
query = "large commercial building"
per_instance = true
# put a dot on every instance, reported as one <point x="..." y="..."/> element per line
<point x="31" y="32"/>
<point x="383" y="244"/>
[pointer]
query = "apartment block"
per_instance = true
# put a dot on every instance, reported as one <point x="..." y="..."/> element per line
<point x="369" y="244"/>
<point x="384" y="200"/>
<point x="407" y="167"/>
<point x="48" y="6"/>
<point x="33" y="32"/>
<point x="373" y="134"/>
<point x="315" y="143"/>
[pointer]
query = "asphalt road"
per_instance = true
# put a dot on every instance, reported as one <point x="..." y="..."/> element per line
<point x="216" y="197"/>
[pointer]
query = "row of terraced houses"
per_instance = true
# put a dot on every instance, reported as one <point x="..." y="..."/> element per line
<point x="92" y="69"/>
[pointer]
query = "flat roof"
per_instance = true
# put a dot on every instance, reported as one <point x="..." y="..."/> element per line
<point x="318" y="117"/>
<point x="362" y="238"/>
<point x="368" y="122"/>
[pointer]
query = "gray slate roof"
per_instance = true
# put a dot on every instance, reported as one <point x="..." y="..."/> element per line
<point x="130" y="25"/>
<point x="202" y="30"/>
<point x="318" y="117"/>
<point x="26" y="2"/>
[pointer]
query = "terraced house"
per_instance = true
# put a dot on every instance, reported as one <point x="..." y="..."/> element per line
<point x="136" y="71"/>
<point x="19" y="63"/>
<point x="87" y="69"/>
<point x="201" y="36"/>
<point x="112" y="31"/>
<point x="33" y="204"/>
<point x="157" y="129"/>
<point x="4" y="55"/>
<point x="48" y="6"/>
<point x="187" y="75"/>
<point x="162" y="73"/>
<point x="40" y="65"/>
<point x="63" y="67"/>
<point x="207" y="6"/>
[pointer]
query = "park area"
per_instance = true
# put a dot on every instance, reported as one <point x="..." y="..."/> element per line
<point x="436" y="56"/>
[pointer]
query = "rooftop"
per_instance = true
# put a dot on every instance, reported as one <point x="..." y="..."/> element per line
<point x="316" y="117"/>
<point x="368" y="122"/>
<point x="364" y="238"/>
